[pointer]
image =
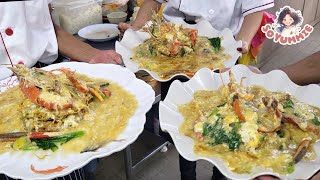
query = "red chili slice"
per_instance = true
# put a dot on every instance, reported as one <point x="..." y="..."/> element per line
<point x="48" y="171"/>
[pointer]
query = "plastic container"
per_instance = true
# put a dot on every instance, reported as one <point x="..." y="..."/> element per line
<point x="109" y="6"/>
<point x="134" y="14"/>
<point x="73" y="15"/>
<point x="117" y="17"/>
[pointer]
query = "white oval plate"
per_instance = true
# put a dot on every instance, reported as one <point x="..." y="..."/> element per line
<point x="181" y="93"/>
<point x="17" y="164"/>
<point x="99" y="32"/>
<point x="132" y="39"/>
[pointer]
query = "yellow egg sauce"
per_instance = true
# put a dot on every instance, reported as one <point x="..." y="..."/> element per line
<point x="273" y="150"/>
<point x="107" y="119"/>
<point x="203" y="56"/>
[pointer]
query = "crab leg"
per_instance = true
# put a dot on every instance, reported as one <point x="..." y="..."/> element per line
<point x="292" y="119"/>
<point x="301" y="151"/>
<point x="193" y="36"/>
<point x="237" y="108"/>
<point x="70" y="75"/>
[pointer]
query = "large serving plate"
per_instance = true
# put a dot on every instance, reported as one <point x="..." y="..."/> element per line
<point x="181" y="93"/>
<point x="132" y="39"/>
<point x="17" y="164"/>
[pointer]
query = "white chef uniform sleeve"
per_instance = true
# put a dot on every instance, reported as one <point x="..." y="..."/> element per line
<point x="251" y="6"/>
<point x="172" y="11"/>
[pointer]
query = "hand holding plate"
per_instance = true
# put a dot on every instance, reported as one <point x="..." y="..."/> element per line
<point x="106" y="56"/>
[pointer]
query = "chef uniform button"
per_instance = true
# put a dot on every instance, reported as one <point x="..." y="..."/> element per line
<point x="211" y="11"/>
<point x="9" y="32"/>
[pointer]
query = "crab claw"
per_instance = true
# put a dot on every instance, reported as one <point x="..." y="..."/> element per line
<point x="270" y="123"/>
<point x="272" y="104"/>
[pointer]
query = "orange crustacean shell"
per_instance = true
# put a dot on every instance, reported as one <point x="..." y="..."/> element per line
<point x="32" y="92"/>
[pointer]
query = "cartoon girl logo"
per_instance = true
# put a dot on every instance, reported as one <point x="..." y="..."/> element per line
<point x="288" y="22"/>
<point x="287" y="30"/>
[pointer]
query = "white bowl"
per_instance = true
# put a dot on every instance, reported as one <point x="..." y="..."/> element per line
<point x="117" y="17"/>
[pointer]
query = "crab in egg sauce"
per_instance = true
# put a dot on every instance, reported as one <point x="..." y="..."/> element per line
<point x="250" y="126"/>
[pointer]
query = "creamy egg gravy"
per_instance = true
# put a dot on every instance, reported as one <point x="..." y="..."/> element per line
<point x="110" y="118"/>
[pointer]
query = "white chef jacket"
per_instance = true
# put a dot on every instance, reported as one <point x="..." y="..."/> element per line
<point x="220" y="13"/>
<point x="33" y="37"/>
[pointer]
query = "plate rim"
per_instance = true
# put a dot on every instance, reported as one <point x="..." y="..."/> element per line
<point x="82" y="35"/>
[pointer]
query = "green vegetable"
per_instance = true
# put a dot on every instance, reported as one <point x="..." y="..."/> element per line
<point x="183" y="51"/>
<point x="50" y="143"/>
<point x="235" y="125"/>
<point x="218" y="133"/>
<point x="280" y="147"/>
<point x="221" y="105"/>
<point x="24" y="143"/>
<point x="46" y="144"/>
<point x="140" y="53"/>
<point x="215" y="43"/>
<point x="290" y="167"/>
<point x="215" y="111"/>
<point x="234" y="137"/>
<point x="235" y="97"/>
<point x="288" y="104"/>
<point x="281" y="133"/>
<point x="151" y="49"/>
<point x="38" y="73"/>
<point x="296" y="114"/>
<point x="153" y="29"/>
<point x="207" y="128"/>
<point x="32" y="147"/>
<point x="104" y="85"/>
<point x="100" y="93"/>
<point x="316" y="121"/>
<point x="220" y="136"/>
<point x="192" y="47"/>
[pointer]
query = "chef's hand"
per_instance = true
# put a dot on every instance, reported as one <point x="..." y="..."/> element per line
<point x="245" y="47"/>
<point x="106" y="56"/>
<point x="266" y="178"/>
<point x="316" y="176"/>
<point x="124" y="26"/>
<point x="252" y="68"/>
